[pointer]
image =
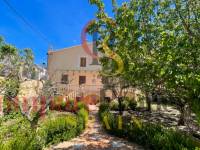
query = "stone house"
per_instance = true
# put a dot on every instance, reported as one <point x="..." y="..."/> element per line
<point x="74" y="71"/>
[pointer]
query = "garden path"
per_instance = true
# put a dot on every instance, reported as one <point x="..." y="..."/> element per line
<point x="94" y="137"/>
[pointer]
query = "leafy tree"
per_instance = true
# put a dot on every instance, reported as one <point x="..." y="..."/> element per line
<point x="118" y="87"/>
<point x="28" y="62"/>
<point x="182" y="52"/>
<point x="12" y="63"/>
<point x="9" y="69"/>
<point x="158" y="43"/>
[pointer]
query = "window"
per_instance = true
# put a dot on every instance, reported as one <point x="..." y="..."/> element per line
<point x="83" y="62"/>
<point x="64" y="79"/>
<point x="82" y="80"/>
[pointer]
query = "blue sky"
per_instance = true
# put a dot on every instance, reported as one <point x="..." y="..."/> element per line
<point x="61" y="21"/>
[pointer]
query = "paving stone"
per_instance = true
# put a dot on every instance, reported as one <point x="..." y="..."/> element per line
<point x="117" y="144"/>
<point x="79" y="146"/>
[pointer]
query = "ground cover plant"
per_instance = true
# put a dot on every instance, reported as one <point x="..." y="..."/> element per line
<point x="17" y="133"/>
<point x="150" y="135"/>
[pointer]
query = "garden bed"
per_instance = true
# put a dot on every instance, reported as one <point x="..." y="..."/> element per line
<point x="56" y="127"/>
<point x="151" y="135"/>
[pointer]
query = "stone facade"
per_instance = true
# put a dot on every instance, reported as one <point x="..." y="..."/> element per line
<point x="73" y="70"/>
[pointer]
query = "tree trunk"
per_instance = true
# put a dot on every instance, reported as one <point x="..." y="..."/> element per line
<point x="182" y="110"/>
<point x="148" y="101"/>
<point x="120" y="105"/>
<point x="181" y="119"/>
<point x="8" y="105"/>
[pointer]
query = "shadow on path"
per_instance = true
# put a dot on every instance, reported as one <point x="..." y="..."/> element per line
<point x="94" y="137"/>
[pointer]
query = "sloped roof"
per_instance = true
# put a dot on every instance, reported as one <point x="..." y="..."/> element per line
<point x="66" y="49"/>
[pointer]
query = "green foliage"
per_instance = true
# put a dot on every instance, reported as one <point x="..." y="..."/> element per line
<point x="59" y="129"/>
<point x="14" y="65"/>
<point x="132" y="104"/>
<point x="6" y="50"/>
<point x="25" y="141"/>
<point x="12" y="88"/>
<point x="19" y="135"/>
<point x="196" y="108"/>
<point x="11" y="115"/>
<point x="104" y="107"/>
<point x="113" y="122"/>
<point x="71" y="105"/>
<point x="114" y="105"/>
<point x="81" y="105"/>
<point x="83" y="114"/>
<point x="156" y="137"/>
<point x="152" y="136"/>
<point x="158" y="42"/>
<point x="127" y="104"/>
<point x="63" y="128"/>
<point x="28" y="62"/>
<point x="99" y="4"/>
<point x="1" y="39"/>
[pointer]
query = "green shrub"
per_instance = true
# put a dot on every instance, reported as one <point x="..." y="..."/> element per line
<point x="152" y="136"/>
<point x="114" y="105"/>
<point x="59" y="129"/>
<point x="113" y="122"/>
<point x="104" y="107"/>
<point x="81" y="105"/>
<point x="71" y="105"/>
<point x="63" y="128"/>
<point x="132" y="104"/>
<point x="11" y="115"/>
<point x="83" y="113"/>
<point x="127" y="104"/>
<point x="20" y="136"/>
<point x="71" y="102"/>
<point x="165" y="139"/>
<point x="63" y="105"/>
<point x="22" y="141"/>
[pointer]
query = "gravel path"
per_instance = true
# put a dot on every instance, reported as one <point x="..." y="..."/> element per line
<point x="94" y="137"/>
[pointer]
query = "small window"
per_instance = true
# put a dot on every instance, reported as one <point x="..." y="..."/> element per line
<point x="82" y="80"/>
<point x="83" y="62"/>
<point x="64" y="79"/>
